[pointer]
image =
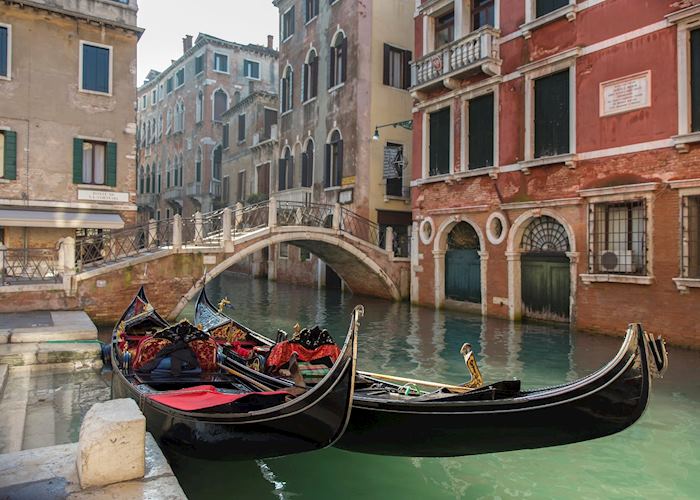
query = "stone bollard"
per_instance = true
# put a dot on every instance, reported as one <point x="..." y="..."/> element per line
<point x="112" y="444"/>
<point x="272" y="214"/>
<point x="389" y="240"/>
<point x="177" y="232"/>
<point x="226" y="227"/>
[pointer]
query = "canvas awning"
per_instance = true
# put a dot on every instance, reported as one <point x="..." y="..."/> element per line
<point x="60" y="219"/>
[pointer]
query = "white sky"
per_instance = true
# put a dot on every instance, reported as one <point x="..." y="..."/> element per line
<point x="167" y="21"/>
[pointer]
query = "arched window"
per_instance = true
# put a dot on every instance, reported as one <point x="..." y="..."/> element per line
<point x="180" y="116"/>
<point x="216" y="163"/>
<point x="236" y="97"/>
<point x="198" y="165"/>
<point x="141" y="180"/>
<point x="220" y="104"/>
<point x="310" y="84"/>
<point x="307" y="164"/>
<point x="153" y="177"/>
<point x="338" y="62"/>
<point x="148" y="179"/>
<point x="286" y="170"/>
<point x="168" y="176"/>
<point x="176" y="171"/>
<point x="333" y="175"/>
<point x="182" y="170"/>
<point x="199" y="110"/>
<point x="169" y="121"/>
<point x="159" y="187"/>
<point x="287" y="89"/>
<point x="153" y="130"/>
<point x="545" y="234"/>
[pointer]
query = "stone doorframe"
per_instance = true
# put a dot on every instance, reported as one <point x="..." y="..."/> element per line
<point x="440" y="250"/>
<point x="513" y="254"/>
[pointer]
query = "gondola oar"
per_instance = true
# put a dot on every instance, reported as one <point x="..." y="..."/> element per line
<point x="424" y="383"/>
<point x="246" y="379"/>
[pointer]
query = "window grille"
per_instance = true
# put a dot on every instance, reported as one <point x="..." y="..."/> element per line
<point x="545" y="234"/>
<point x="619" y="238"/>
<point x="690" y="243"/>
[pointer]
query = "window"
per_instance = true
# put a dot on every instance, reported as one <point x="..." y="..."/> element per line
<point x="440" y="147"/>
<point x="397" y="68"/>
<point x="148" y="179"/>
<point x="691" y="237"/>
<point x="160" y="177"/>
<point x="226" y="131"/>
<point x="241" y="128"/>
<point x="333" y="174"/>
<point x="552" y="115"/>
<point x="94" y="162"/>
<point x="181" y="167"/>
<point x="619" y="238"/>
<point x="304" y="255"/>
<point x="695" y="80"/>
<point x="251" y="69"/>
<point x="220" y="104"/>
<point x="168" y="174"/>
<point x="5" y="51"/>
<point x="307" y="165"/>
<point x="481" y="132"/>
<point x="216" y="163"/>
<point x="393" y="169"/>
<point x="284" y="250"/>
<point x="482" y="13"/>
<point x="169" y="85"/>
<point x="270" y="121"/>
<point x="263" y="179"/>
<point x="225" y="189"/>
<point x="95" y="68"/>
<point x="198" y="165"/>
<point x="221" y="63"/>
<point x="241" y="186"/>
<point x="311" y="10"/>
<point x="168" y="121"/>
<point x="154" y="97"/>
<point x="338" y="63"/>
<point x="444" y="29"/>
<point x="8" y="155"/>
<point x="310" y="86"/>
<point x="144" y="102"/>
<point x="199" y="64"/>
<point x="199" y="107"/>
<point x="543" y="7"/>
<point x="161" y="92"/>
<point x="286" y="170"/>
<point x="288" y="24"/>
<point x="287" y="89"/>
<point x="180" y="116"/>
<point x="180" y="78"/>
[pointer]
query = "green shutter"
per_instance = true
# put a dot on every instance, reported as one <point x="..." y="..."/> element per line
<point x="10" y="159"/>
<point x="77" y="161"/>
<point x="111" y="173"/>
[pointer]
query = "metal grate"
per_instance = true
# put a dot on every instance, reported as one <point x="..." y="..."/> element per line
<point x="359" y="227"/>
<point x="545" y="234"/>
<point x="619" y="238"/>
<point x="292" y="213"/>
<point x="691" y="237"/>
<point x="28" y="265"/>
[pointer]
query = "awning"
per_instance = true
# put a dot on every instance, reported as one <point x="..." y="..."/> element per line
<point x="60" y="219"/>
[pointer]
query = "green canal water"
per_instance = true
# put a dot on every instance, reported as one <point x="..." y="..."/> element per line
<point x="658" y="457"/>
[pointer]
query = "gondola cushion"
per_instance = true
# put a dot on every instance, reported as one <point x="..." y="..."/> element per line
<point x="206" y="351"/>
<point x="206" y="396"/>
<point x="282" y="352"/>
<point x="147" y="350"/>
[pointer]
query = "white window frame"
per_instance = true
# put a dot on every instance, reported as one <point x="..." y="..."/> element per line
<point x="228" y="63"/>
<point x="686" y="189"/>
<point x="279" y="250"/>
<point x="80" y="67"/>
<point x="161" y="92"/>
<point x="535" y="71"/>
<point x="532" y="22"/>
<point x="184" y="78"/>
<point x="256" y="61"/>
<point x="282" y="24"/>
<point x="490" y="88"/>
<point x="9" y="52"/>
<point x="687" y="20"/>
<point x="154" y="97"/>
<point x="426" y="140"/>
<point x="213" y="104"/>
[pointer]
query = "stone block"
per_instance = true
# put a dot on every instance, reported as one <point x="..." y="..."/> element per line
<point x="112" y="442"/>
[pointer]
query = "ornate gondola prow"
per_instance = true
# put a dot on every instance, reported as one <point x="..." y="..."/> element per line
<point x="657" y="353"/>
<point x="223" y="303"/>
<point x="357" y="314"/>
<point x="470" y="360"/>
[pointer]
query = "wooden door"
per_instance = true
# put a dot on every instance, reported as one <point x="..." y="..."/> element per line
<point x="264" y="179"/>
<point x="463" y="275"/>
<point x="546" y="286"/>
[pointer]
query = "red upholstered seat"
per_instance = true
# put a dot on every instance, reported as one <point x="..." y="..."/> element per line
<point x="206" y="351"/>
<point x="282" y="352"/>
<point x="203" y="396"/>
<point x="147" y="350"/>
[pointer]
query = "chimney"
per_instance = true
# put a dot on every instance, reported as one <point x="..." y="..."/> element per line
<point x="186" y="43"/>
<point x="270" y="39"/>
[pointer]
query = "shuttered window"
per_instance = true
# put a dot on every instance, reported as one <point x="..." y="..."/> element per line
<point x="198" y="64"/>
<point x="546" y="6"/>
<point x="339" y="60"/>
<point x="8" y="155"/>
<point x="4" y="51"/>
<point x="241" y="128"/>
<point x="251" y="69"/>
<point x="241" y="186"/>
<point x="552" y="115"/>
<point x="226" y="139"/>
<point x="288" y="24"/>
<point x="333" y="172"/>
<point x="310" y="76"/>
<point x="481" y="132"/>
<point x="311" y="10"/>
<point x="440" y="142"/>
<point x="695" y="80"/>
<point x="95" y="69"/>
<point x="397" y="68"/>
<point x="307" y="165"/>
<point x="94" y="162"/>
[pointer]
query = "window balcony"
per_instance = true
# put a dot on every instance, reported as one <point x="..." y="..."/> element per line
<point x="172" y="194"/>
<point x="477" y="52"/>
<point x="146" y="200"/>
<point x="201" y="189"/>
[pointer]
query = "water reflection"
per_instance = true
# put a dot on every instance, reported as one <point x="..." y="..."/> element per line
<point x="656" y="458"/>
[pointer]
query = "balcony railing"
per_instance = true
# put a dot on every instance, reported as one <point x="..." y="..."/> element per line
<point x="146" y="199"/>
<point x="173" y="193"/>
<point x="261" y="137"/>
<point x="477" y="51"/>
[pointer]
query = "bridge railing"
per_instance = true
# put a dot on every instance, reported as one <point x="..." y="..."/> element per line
<point x="359" y="227"/>
<point x="28" y="265"/>
<point x="203" y="229"/>
<point x="250" y="218"/>
<point x="295" y="213"/>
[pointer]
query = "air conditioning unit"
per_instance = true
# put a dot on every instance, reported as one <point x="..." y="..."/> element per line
<point x="618" y="261"/>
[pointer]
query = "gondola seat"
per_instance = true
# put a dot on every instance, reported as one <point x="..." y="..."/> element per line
<point x="206" y="352"/>
<point x="147" y="350"/>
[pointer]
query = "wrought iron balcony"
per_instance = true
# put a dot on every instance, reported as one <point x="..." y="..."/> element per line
<point x="474" y="53"/>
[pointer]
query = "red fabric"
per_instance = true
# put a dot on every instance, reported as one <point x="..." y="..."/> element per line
<point x="280" y="354"/>
<point x="205" y="350"/>
<point x="201" y="397"/>
<point x="147" y="350"/>
<point x="243" y="349"/>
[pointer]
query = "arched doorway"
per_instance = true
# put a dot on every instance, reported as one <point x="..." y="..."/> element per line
<point x="463" y="264"/>
<point x="545" y="270"/>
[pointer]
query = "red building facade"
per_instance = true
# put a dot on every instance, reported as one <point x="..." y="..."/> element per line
<point x="556" y="169"/>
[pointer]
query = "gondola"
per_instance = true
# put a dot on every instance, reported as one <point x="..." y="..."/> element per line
<point x="400" y="419"/>
<point x="195" y="406"/>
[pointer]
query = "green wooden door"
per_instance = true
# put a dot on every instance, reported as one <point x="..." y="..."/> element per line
<point x="463" y="275"/>
<point x="546" y="286"/>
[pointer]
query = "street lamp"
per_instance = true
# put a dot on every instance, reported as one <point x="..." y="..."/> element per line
<point x="406" y="124"/>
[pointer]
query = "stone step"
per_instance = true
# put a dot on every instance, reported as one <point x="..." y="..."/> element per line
<point x="4" y="370"/>
<point x="45" y="326"/>
<point x="85" y="354"/>
<point x="13" y="408"/>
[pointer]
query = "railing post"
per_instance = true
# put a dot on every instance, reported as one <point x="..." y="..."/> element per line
<point x="272" y="216"/>
<point x="177" y="232"/>
<point x="3" y="248"/>
<point x="389" y="240"/>
<point x="337" y="214"/>
<point x="68" y="263"/>
<point x="152" y="233"/>
<point x="198" y="228"/>
<point x="226" y="238"/>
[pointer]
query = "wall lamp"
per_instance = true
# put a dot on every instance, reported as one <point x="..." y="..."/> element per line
<point x="407" y="124"/>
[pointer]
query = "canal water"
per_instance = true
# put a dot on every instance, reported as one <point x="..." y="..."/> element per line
<point x="659" y="457"/>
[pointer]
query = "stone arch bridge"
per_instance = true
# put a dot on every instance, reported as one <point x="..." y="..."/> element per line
<point x="174" y="258"/>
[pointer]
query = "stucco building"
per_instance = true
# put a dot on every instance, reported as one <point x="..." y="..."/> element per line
<point x="556" y="170"/>
<point x="180" y="123"/>
<point x="344" y="73"/>
<point x="67" y="123"/>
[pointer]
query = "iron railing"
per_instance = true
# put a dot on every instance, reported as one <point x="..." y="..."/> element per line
<point x="250" y="218"/>
<point x="295" y="213"/>
<point x="359" y="227"/>
<point x="28" y="265"/>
